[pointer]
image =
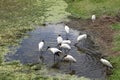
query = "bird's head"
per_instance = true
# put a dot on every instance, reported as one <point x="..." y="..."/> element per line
<point x="43" y="41"/>
<point x="80" y="33"/>
<point x="59" y="35"/>
<point x="59" y="44"/>
<point x="65" y="55"/>
<point x="67" y="39"/>
<point x="47" y="48"/>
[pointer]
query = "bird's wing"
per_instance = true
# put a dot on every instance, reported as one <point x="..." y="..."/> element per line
<point x="106" y="62"/>
<point x="71" y="58"/>
<point x="41" y="44"/>
<point x="59" y="39"/>
<point x="54" y="50"/>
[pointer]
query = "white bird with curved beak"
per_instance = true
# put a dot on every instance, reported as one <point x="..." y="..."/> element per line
<point x="55" y="51"/>
<point x="93" y="18"/>
<point x="40" y="45"/>
<point x="67" y="29"/>
<point x="81" y="37"/>
<point x="69" y="58"/>
<point x="67" y="41"/>
<point x="59" y="39"/>
<point x="65" y="46"/>
<point x="106" y="62"/>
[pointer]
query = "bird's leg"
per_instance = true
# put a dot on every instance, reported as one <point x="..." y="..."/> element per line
<point x="41" y="53"/>
<point x="76" y="44"/>
<point x="58" y="45"/>
<point x="82" y="43"/>
<point x="66" y="35"/>
<point x="54" y="58"/>
<point x="68" y="51"/>
<point x="41" y="56"/>
<point x="62" y="49"/>
<point x="65" y="51"/>
<point x="70" y="66"/>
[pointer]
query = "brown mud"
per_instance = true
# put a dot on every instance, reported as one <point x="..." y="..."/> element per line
<point x="100" y="30"/>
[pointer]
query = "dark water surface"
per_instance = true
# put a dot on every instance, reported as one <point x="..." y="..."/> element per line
<point x="85" y="53"/>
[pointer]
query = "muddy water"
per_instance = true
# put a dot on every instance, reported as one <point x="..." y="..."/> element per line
<point x="87" y="64"/>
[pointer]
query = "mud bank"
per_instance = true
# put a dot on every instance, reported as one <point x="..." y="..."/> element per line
<point x="100" y="30"/>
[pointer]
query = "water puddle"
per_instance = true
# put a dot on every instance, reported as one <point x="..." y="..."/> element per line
<point x="87" y="64"/>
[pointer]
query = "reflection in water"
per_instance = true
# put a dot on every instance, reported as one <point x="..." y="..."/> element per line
<point x="84" y="52"/>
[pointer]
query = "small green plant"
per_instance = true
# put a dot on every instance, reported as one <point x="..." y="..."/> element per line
<point x="116" y="38"/>
<point x="116" y="68"/>
<point x="86" y="8"/>
<point x="116" y="26"/>
<point x="116" y="42"/>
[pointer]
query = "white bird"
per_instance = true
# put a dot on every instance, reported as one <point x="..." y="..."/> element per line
<point x="55" y="51"/>
<point x="106" y="62"/>
<point x="82" y="36"/>
<point x="69" y="58"/>
<point x="93" y="18"/>
<point x="40" y="45"/>
<point x="65" y="46"/>
<point x="67" y="29"/>
<point x="59" y="39"/>
<point x="67" y="41"/>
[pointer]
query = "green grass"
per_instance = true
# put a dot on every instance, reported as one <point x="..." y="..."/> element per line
<point x="15" y="20"/>
<point x="116" y="47"/>
<point x="116" y="38"/>
<point x="116" y="26"/>
<point x="116" y="42"/>
<point x="116" y="68"/>
<point x="16" y="71"/>
<point x="85" y="8"/>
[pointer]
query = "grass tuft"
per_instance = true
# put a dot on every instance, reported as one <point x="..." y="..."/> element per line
<point x="115" y="59"/>
<point x="86" y="8"/>
<point x="116" y="38"/>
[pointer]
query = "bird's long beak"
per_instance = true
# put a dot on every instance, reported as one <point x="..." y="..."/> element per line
<point x="46" y="49"/>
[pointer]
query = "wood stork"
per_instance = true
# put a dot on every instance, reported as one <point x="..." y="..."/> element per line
<point x="65" y="46"/>
<point x="67" y="41"/>
<point x="40" y="48"/>
<point x="93" y="18"/>
<point x="59" y="39"/>
<point x="81" y="37"/>
<point x="106" y="63"/>
<point x="40" y="45"/>
<point x="69" y="58"/>
<point x="67" y="29"/>
<point x="55" y="51"/>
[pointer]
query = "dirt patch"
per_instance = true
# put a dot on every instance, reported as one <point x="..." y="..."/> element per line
<point x="100" y="30"/>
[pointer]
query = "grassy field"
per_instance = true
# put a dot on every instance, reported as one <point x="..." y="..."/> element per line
<point x="116" y="41"/>
<point x="116" y="47"/>
<point x="85" y="8"/>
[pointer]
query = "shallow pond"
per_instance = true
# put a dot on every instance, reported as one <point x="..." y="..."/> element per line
<point x="85" y="53"/>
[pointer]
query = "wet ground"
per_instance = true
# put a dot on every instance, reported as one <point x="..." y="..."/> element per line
<point x="100" y="30"/>
<point x="86" y="52"/>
